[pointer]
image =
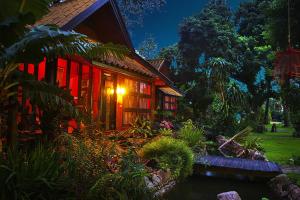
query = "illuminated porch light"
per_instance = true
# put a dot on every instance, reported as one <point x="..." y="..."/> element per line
<point x="121" y="91"/>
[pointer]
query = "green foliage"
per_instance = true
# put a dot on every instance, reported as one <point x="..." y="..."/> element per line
<point x="165" y="132"/>
<point x="36" y="174"/>
<point x="170" y="154"/>
<point x="141" y="128"/>
<point x="128" y="183"/>
<point x="253" y="143"/>
<point x="193" y="136"/>
<point x="148" y="47"/>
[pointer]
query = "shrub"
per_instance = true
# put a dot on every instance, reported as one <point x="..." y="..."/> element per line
<point x="170" y="154"/>
<point x="253" y="143"/>
<point x="165" y="132"/>
<point x="192" y="135"/>
<point x="141" y="128"/>
<point x="127" y="183"/>
<point x="36" y="174"/>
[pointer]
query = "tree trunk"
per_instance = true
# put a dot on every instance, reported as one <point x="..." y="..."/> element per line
<point x="266" y="117"/>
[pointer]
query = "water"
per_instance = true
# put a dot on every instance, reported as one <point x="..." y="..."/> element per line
<point x="207" y="188"/>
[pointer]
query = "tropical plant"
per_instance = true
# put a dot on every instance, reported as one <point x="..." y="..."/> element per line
<point x="170" y="154"/>
<point x="36" y="174"/>
<point x="141" y="127"/>
<point x="253" y="143"/>
<point x="193" y="136"/>
<point x="165" y="132"/>
<point x="127" y="183"/>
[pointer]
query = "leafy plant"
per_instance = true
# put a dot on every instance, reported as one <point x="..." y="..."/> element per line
<point x="141" y="128"/>
<point x="127" y="183"/>
<point x="192" y="135"/>
<point x="36" y="174"/>
<point x="170" y="154"/>
<point x="253" y="143"/>
<point x="165" y="132"/>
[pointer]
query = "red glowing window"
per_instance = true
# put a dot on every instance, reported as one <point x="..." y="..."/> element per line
<point x="31" y="69"/>
<point x="61" y="76"/>
<point x="74" y="80"/>
<point x="42" y="70"/>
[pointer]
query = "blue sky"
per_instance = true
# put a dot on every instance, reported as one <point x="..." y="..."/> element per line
<point x="163" y="25"/>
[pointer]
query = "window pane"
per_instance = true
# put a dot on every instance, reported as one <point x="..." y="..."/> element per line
<point x="145" y="88"/>
<point x="61" y="72"/>
<point x="42" y="70"/>
<point x="74" y="80"/>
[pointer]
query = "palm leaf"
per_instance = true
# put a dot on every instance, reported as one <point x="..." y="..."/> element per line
<point x="48" y="96"/>
<point x="48" y="41"/>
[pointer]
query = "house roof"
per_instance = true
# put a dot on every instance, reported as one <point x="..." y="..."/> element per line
<point x="69" y="14"/>
<point x="61" y="14"/>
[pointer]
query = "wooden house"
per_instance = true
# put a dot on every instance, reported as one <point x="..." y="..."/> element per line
<point x="113" y="91"/>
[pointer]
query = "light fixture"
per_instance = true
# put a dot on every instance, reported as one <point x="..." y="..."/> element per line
<point x="121" y="91"/>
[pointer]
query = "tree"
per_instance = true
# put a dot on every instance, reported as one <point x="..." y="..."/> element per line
<point x="148" y="48"/>
<point x="21" y="44"/>
<point x="133" y="11"/>
<point x="255" y="54"/>
<point x="206" y="48"/>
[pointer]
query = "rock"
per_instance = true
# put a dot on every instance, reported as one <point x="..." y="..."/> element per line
<point x="156" y="179"/>
<point x="232" y="195"/>
<point x="284" y="188"/>
<point x="148" y="183"/>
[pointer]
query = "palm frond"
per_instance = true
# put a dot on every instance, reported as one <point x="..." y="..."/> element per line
<point x="48" y="41"/>
<point x="48" y="97"/>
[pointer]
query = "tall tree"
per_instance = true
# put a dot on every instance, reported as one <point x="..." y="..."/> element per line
<point x="133" y="11"/>
<point x="148" y="48"/>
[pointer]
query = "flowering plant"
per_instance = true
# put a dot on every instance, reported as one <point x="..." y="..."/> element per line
<point x="166" y="124"/>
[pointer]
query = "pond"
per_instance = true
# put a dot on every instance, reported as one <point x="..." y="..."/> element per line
<point x="207" y="188"/>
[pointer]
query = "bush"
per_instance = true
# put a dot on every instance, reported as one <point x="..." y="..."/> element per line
<point x="37" y="174"/>
<point x="193" y="136"/>
<point x="127" y="183"/>
<point x="170" y="154"/>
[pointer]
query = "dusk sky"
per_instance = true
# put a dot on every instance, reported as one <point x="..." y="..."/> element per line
<point x="163" y="24"/>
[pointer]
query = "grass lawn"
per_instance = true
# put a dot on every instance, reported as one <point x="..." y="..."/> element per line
<point x="280" y="146"/>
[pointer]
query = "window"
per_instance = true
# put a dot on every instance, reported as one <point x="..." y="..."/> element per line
<point x="74" y="78"/>
<point x="61" y="76"/>
<point x="170" y="103"/>
<point x="137" y="101"/>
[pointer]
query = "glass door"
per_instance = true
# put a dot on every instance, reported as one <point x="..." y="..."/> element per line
<point x="108" y="101"/>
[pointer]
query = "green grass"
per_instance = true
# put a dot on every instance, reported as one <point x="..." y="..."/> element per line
<point x="294" y="177"/>
<point x="280" y="146"/>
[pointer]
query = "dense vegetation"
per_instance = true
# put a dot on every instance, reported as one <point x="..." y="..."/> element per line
<point x="224" y="62"/>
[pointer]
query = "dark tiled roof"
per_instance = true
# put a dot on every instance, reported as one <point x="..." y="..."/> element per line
<point x="129" y="64"/>
<point x="62" y="13"/>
